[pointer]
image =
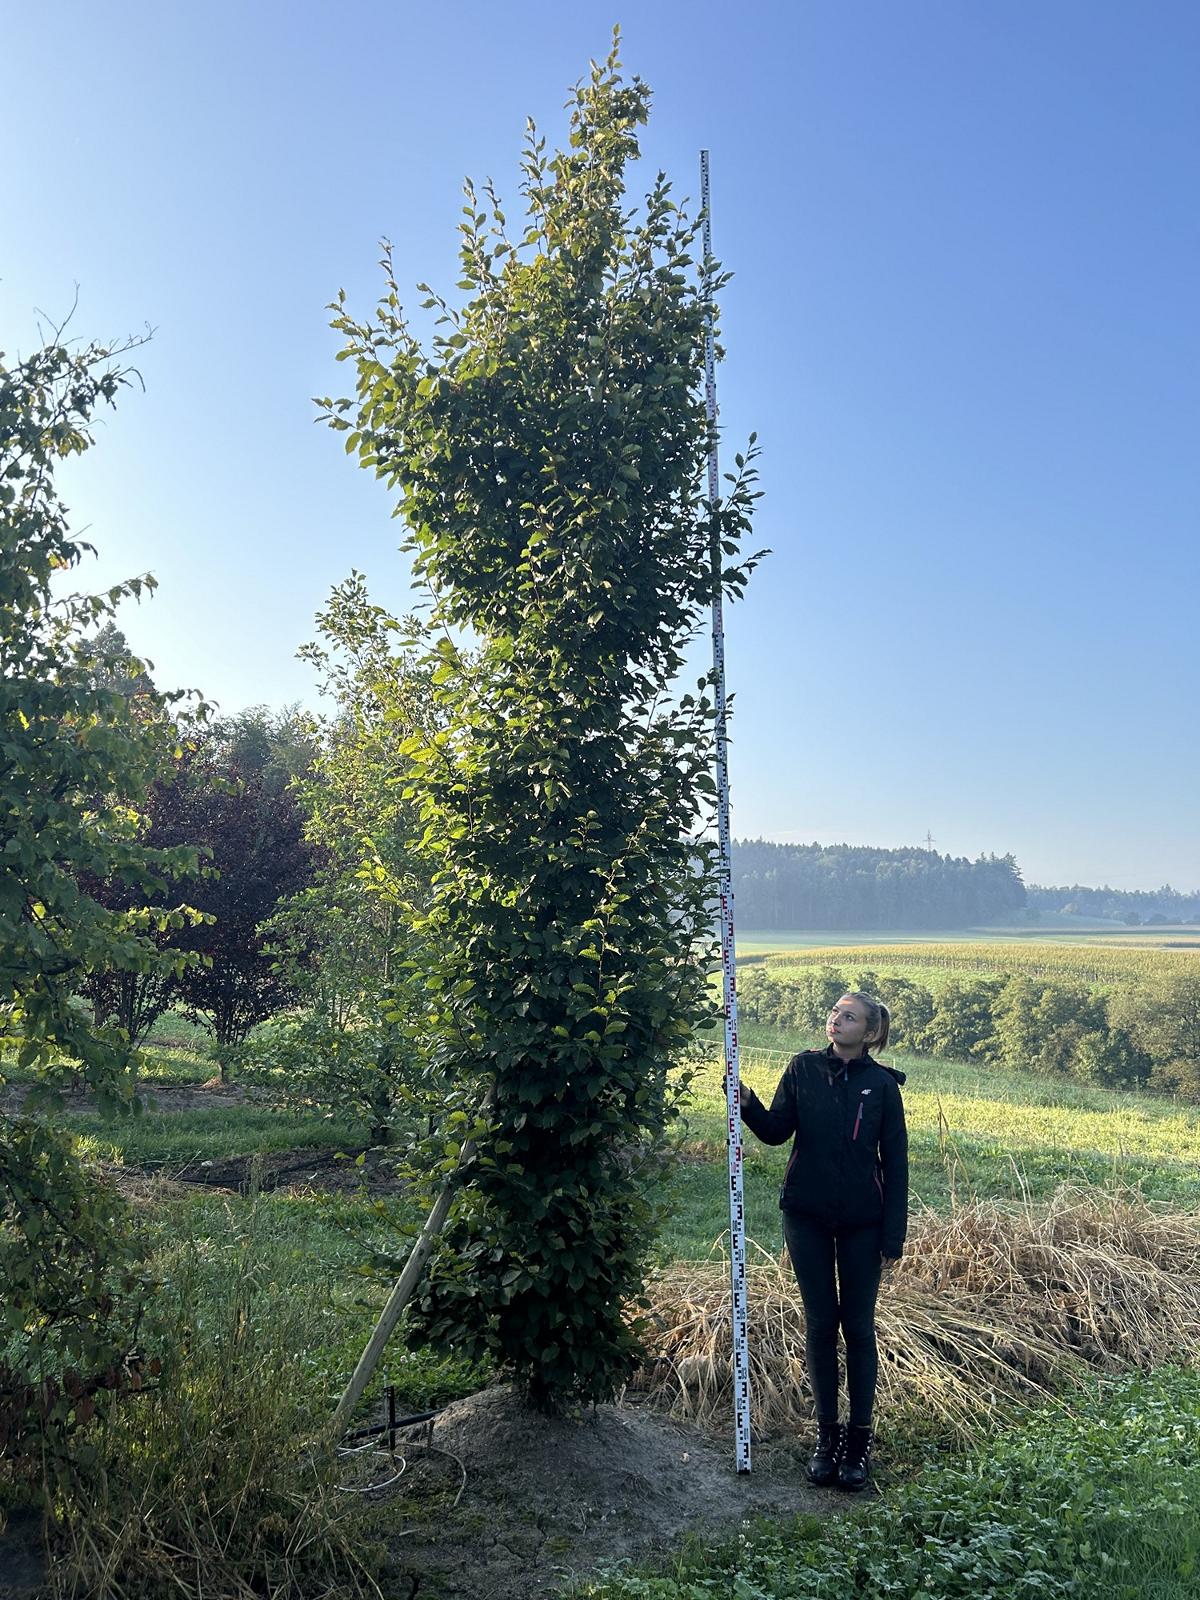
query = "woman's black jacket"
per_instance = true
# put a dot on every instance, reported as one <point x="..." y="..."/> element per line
<point x="849" y="1161"/>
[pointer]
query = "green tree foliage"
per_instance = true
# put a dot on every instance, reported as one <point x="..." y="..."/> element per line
<point x="1161" y="1019"/>
<point x="75" y="1299"/>
<point x="275" y="749"/>
<point x="115" y="665"/>
<point x="344" y="938"/>
<point x="1131" y="906"/>
<point x="962" y="1025"/>
<point x="549" y="451"/>
<point x="1108" y="1056"/>
<point x="232" y="792"/>
<point x="75" y="767"/>
<point x="1094" y="1035"/>
<point x="125" y="1000"/>
<point x="801" y="1001"/>
<point x="911" y="1007"/>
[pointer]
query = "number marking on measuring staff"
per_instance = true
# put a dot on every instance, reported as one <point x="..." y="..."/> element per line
<point x="737" y="1217"/>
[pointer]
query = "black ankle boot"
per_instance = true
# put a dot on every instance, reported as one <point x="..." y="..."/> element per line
<point x="823" y="1468"/>
<point x="855" y="1466"/>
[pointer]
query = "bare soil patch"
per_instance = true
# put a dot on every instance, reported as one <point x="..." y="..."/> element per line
<point x="302" y="1171"/>
<point x="22" y="1556"/>
<point x="509" y="1505"/>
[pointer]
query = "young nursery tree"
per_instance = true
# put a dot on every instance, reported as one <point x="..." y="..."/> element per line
<point x="132" y="999"/>
<point x="344" y="938"/>
<point x="249" y="823"/>
<point x="549" y="451"/>
<point x="128" y="1001"/>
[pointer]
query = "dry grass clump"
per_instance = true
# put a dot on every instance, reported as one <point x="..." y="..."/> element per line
<point x="990" y="1307"/>
<point x="1103" y="1274"/>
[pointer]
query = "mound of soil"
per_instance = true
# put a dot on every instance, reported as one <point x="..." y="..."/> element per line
<point x="507" y="1505"/>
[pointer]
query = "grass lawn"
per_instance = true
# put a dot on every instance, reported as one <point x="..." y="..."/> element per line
<point x="170" y="1063"/>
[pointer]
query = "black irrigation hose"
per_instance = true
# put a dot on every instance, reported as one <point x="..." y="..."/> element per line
<point x="389" y="1426"/>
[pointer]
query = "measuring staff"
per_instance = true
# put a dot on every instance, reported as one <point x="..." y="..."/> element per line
<point x="737" y="1217"/>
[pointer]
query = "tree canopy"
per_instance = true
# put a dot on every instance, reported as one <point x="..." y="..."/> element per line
<point x="77" y="760"/>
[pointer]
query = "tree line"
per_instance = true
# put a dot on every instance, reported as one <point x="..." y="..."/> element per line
<point x="865" y="886"/>
<point x="1131" y="906"/>
<point x="862" y="886"/>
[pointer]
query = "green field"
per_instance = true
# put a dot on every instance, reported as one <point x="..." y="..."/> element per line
<point x="973" y="1131"/>
<point x="759" y="942"/>
<point x="1087" y="962"/>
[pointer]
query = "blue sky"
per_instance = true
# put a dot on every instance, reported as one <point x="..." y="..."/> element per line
<point x="964" y="323"/>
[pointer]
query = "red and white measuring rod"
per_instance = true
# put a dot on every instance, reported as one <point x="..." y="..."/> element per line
<point x="737" y="1217"/>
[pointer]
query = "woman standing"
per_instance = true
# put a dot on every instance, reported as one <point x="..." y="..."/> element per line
<point x="845" y="1213"/>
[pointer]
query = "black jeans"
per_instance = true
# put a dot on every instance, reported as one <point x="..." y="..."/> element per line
<point x="847" y="1300"/>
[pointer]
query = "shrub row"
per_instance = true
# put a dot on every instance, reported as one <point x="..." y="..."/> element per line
<point x="1128" y="1036"/>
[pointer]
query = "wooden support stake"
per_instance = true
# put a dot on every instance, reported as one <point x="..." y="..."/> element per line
<point x="400" y="1296"/>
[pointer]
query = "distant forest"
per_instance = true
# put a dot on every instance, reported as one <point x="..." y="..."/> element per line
<point x="1125" y="905"/>
<point x="859" y="886"/>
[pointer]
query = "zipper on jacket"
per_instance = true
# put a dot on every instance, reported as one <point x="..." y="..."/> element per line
<point x="788" y="1170"/>
<point x="857" y="1121"/>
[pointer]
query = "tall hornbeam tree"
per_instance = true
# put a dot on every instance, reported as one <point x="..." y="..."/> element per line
<point x="548" y="448"/>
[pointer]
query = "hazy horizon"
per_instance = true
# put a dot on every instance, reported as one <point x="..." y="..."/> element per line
<point x="1026" y="878"/>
